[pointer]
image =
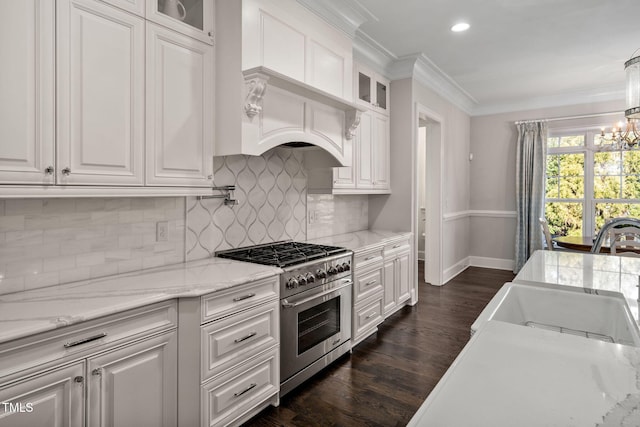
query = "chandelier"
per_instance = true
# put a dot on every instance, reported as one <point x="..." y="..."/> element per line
<point x="621" y="139"/>
<point x="632" y="70"/>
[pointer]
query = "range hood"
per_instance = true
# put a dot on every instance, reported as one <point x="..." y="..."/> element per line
<point x="281" y="85"/>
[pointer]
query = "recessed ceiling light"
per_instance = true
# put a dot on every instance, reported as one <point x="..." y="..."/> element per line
<point x="462" y="26"/>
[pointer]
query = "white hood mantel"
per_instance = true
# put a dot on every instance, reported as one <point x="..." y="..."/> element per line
<point x="283" y="76"/>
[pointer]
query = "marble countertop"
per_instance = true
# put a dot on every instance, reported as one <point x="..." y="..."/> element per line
<point x="585" y="270"/>
<point x="30" y="312"/>
<point x="360" y="240"/>
<point x="513" y="375"/>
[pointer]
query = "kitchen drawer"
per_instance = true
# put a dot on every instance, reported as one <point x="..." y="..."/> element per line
<point x="86" y="338"/>
<point x="398" y="245"/>
<point x="367" y="256"/>
<point x="230" y="396"/>
<point x="230" y="301"/>
<point x="367" y="283"/>
<point x="367" y="316"/>
<point x="236" y="338"/>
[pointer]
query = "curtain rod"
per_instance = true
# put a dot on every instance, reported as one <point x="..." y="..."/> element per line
<point x="556" y="119"/>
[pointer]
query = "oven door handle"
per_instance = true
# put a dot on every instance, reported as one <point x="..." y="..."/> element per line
<point x="287" y="304"/>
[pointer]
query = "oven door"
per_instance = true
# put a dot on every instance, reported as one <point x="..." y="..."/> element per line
<point x="313" y="323"/>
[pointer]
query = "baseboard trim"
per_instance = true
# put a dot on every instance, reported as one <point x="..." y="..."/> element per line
<point x="497" y="263"/>
<point x="454" y="270"/>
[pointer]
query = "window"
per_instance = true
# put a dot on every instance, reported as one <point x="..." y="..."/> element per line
<point x="585" y="186"/>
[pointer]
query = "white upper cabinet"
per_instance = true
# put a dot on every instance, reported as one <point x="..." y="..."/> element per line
<point x="193" y="18"/>
<point x="179" y="109"/>
<point x="372" y="90"/>
<point x="27" y="91"/>
<point x="100" y="102"/>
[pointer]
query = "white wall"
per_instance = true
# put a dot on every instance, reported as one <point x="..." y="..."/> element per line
<point x="492" y="175"/>
<point x="395" y="211"/>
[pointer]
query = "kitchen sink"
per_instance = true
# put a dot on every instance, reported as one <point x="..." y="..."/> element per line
<point x="599" y="315"/>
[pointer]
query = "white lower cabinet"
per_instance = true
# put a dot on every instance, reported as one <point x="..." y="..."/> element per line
<point x="229" y="359"/>
<point x="54" y="398"/>
<point x="135" y="385"/>
<point x="382" y="284"/>
<point x="116" y="371"/>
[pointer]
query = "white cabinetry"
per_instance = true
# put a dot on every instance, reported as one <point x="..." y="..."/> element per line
<point x="193" y="18"/>
<point x="368" y="293"/>
<point x="119" y="370"/>
<point x="27" y="92"/>
<point x="54" y="398"/>
<point x="100" y="95"/>
<point x="229" y="360"/>
<point x="84" y="133"/>
<point x="397" y="274"/>
<point x="372" y="90"/>
<point x="179" y="109"/>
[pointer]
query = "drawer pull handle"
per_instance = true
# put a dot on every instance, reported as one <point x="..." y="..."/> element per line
<point x="369" y="258"/>
<point x="396" y="246"/>
<point x="85" y="340"/>
<point x="249" y="335"/>
<point x="373" y="282"/>
<point x="370" y="316"/>
<point x="251" y="295"/>
<point x="251" y="387"/>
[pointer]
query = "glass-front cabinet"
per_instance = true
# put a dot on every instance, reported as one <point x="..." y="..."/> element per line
<point x="372" y="89"/>
<point x="190" y="17"/>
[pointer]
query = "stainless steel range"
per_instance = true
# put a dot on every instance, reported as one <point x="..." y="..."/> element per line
<point x="315" y="304"/>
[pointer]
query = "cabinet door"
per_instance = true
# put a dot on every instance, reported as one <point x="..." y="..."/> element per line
<point x="345" y="177"/>
<point x="54" y="399"/>
<point x="100" y="104"/>
<point x="403" y="277"/>
<point x="389" y="300"/>
<point x="381" y="152"/>
<point x="193" y="18"/>
<point x="27" y="90"/>
<point x="179" y="109"/>
<point x="135" y="385"/>
<point x="364" y="80"/>
<point x="364" y="160"/>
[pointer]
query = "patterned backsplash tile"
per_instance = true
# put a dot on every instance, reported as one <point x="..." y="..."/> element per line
<point x="271" y="191"/>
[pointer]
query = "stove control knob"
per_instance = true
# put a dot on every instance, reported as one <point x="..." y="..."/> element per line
<point x="340" y="268"/>
<point x="321" y="274"/>
<point x="345" y="266"/>
<point x="302" y="281"/>
<point x="310" y="278"/>
<point x="292" y="283"/>
<point x="332" y="271"/>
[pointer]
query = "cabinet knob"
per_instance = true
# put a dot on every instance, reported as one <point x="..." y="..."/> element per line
<point x="49" y="170"/>
<point x="66" y="171"/>
<point x="97" y="372"/>
<point x="79" y="379"/>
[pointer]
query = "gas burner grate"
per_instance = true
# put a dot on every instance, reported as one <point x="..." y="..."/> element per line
<point x="281" y="254"/>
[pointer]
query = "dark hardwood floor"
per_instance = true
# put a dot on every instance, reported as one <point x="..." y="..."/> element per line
<point x="389" y="374"/>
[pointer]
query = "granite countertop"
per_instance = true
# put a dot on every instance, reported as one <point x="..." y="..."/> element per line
<point x="585" y="270"/>
<point x="360" y="240"/>
<point x="512" y="375"/>
<point x="31" y="312"/>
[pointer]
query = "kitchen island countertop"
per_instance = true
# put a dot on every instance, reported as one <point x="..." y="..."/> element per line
<point x="30" y="312"/>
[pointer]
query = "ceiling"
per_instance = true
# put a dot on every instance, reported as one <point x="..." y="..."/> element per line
<point x="518" y="54"/>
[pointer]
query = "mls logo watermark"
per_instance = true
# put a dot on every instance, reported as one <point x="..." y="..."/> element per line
<point x="18" y="407"/>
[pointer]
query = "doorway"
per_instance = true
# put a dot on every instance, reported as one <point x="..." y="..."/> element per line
<point x="428" y="193"/>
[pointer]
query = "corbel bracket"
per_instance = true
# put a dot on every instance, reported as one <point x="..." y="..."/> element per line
<point x="256" y="88"/>
<point x="352" y="118"/>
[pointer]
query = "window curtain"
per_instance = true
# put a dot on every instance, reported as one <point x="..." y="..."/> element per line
<point x="531" y="154"/>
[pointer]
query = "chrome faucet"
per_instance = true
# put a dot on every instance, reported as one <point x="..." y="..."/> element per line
<point x="613" y="223"/>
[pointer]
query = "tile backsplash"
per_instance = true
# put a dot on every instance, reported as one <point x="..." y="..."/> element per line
<point x="336" y="214"/>
<point x="44" y="242"/>
<point x="271" y="191"/>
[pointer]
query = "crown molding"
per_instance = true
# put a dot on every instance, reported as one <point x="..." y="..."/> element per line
<point x="371" y="53"/>
<point x="613" y="93"/>
<point x="346" y="15"/>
